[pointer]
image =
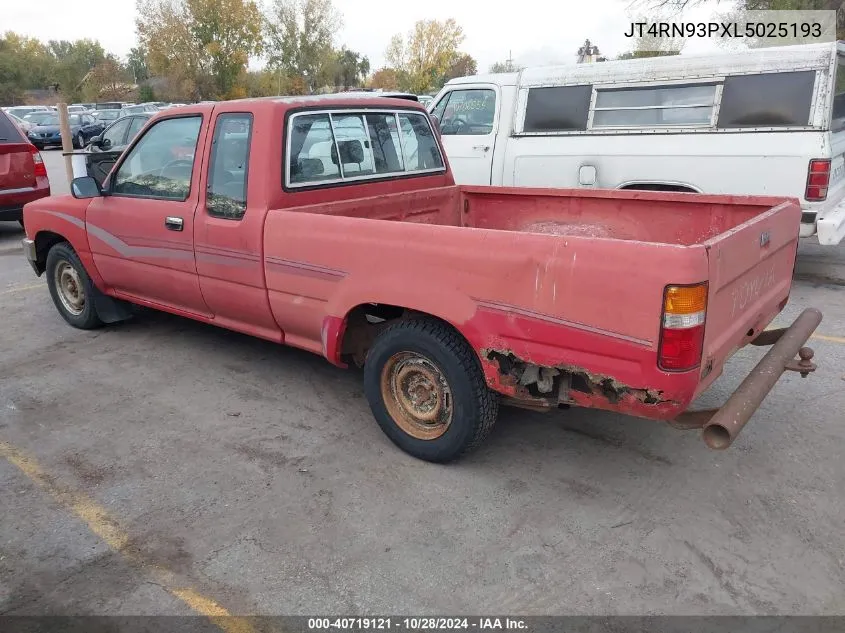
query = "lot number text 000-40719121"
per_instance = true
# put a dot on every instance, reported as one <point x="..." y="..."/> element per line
<point x="413" y="623"/>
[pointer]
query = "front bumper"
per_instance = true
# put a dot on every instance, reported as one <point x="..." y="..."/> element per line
<point x="31" y="254"/>
<point x="720" y="427"/>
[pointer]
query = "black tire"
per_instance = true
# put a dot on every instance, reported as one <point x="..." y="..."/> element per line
<point x="63" y="255"/>
<point x="80" y="141"/>
<point x="473" y="406"/>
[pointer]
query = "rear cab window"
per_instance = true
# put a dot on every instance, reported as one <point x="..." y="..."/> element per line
<point x="325" y="148"/>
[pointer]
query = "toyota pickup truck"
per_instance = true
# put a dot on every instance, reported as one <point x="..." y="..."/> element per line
<point x="333" y="224"/>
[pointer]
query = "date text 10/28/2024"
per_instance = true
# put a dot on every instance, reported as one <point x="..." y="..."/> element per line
<point x="414" y="624"/>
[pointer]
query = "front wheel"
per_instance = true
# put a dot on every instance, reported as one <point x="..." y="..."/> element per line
<point x="71" y="288"/>
<point x="427" y="391"/>
<point x="80" y="140"/>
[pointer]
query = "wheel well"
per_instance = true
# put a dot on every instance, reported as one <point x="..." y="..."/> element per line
<point x="366" y="321"/>
<point x="44" y="241"/>
<point x="659" y="186"/>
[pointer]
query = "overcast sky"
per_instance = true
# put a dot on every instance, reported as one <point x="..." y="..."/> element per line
<point x="533" y="31"/>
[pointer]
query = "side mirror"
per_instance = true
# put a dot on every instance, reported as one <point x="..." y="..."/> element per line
<point x="104" y="143"/>
<point x="84" y="187"/>
<point x="96" y="140"/>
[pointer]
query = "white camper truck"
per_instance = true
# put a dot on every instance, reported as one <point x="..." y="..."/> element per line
<point x="764" y="121"/>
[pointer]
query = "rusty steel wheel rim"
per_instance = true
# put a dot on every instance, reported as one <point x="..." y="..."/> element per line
<point x="70" y="288"/>
<point x="416" y="395"/>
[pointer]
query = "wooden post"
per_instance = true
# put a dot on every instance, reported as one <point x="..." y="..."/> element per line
<point x="67" y="141"/>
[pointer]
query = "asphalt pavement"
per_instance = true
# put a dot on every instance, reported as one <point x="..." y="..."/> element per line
<point x="163" y="466"/>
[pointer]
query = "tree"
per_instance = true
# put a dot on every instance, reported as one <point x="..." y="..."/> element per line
<point x="385" y="79"/>
<point x="146" y="93"/>
<point x="73" y="62"/>
<point x="463" y="65"/>
<point x="136" y="64"/>
<point x="203" y="46"/>
<point x="505" y="67"/>
<point x="426" y="54"/>
<point x="25" y="63"/>
<point x="648" y="45"/>
<point x="108" y="81"/>
<point x="349" y="68"/>
<point x="299" y="39"/>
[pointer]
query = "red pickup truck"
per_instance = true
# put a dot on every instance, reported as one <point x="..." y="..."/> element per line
<point x="333" y="224"/>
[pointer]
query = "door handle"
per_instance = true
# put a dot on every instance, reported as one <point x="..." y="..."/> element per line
<point x="483" y="148"/>
<point x="173" y="223"/>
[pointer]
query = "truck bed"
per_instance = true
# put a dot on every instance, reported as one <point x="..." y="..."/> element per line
<point x="666" y="218"/>
<point x="558" y="278"/>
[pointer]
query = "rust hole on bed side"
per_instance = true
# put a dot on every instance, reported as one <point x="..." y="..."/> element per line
<point x="546" y="381"/>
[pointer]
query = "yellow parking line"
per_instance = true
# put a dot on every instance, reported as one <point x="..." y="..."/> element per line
<point x="830" y="339"/>
<point x="109" y="530"/>
<point x="22" y="288"/>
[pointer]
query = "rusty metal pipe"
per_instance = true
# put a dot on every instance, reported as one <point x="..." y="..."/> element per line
<point x="722" y="429"/>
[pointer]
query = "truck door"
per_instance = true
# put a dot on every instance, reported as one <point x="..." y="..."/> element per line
<point x="141" y="230"/>
<point x="469" y="118"/>
<point x="228" y="231"/>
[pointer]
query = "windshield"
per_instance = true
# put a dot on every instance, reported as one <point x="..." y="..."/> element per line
<point x="39" y="118"/>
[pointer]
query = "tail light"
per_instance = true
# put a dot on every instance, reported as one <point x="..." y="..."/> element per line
<point x="818" y="179"/>
<point x="682" y="331"/>
<point x="40" y="167"/>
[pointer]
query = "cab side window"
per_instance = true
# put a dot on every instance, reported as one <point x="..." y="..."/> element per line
<point x="161" y="164"/>
<point x="227" y="171"/>
<point x="467" y="112"/>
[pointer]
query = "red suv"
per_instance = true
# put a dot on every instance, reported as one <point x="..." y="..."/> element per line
<point x="23" y="175"/>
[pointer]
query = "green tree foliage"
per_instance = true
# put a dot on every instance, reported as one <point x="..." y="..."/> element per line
<point x="299" y="39"/>
<point x="136" y="65"/>
<point x="201" y="46"/>
<point x="425" y="55"/>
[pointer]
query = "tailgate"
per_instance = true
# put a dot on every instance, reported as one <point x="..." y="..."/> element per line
<point x="751" y="269"/>
<point x="17" y="168"/>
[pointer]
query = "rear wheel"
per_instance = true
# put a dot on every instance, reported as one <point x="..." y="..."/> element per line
<point x="427" y="391"/>
<point x="71" y="288"/>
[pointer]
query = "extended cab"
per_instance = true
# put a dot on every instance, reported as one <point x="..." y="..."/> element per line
<point x="333" y="224"/>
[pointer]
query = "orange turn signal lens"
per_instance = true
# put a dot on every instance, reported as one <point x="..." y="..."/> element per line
<point x="685" y="299"/>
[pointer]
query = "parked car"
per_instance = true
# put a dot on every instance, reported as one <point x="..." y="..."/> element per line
<point x="25" y="126"/>
<point x="22" y="111"/>
<point x="454" y="299"/>
<point x="107" y="147"/>
<point x="426" y="100"/>
<point x="23" y="175"/>
<point x="46" y="130"/>
<point x="768" y="121"/>
<point x="106" y="117"/>
<point x="76" y="109"/>
<point x="85" y="106"/>
<point x="110" y="105"/>
<point x="137" y="109"/>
